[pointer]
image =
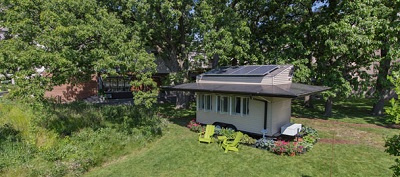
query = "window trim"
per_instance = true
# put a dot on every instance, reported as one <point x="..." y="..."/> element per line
<point x="207" y="103"/>
<point x="221" y="104"/>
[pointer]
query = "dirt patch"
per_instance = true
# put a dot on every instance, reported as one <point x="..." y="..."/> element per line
<point x="336" y="141"/>
<point x="352" y="124"/>
<point x="346" y="133"/>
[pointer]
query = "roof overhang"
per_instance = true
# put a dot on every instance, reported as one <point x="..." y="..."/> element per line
<point x="292" y="90"/>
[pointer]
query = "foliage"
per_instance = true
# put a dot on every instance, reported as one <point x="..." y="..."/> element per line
<point x="265" y="143"/>
<point x="229" y="133"/>
<point x="58" y="140"/>
<point x="72" y="41"/>
<point x="309" y="137"/>
<point x="394" y="110"/>
<point x="195" y="126"/>
<point x="393" y="148"/>
<point x="388" y="36"/>
<point x="248" y="140"/>
<point x="308" y="131"/>
<point x="288" y="148"/>
<point x="393" y="145"/>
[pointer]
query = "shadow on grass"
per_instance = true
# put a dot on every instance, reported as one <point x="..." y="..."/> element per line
<point x="180" y="117"/>
<point x="349" y="110"/>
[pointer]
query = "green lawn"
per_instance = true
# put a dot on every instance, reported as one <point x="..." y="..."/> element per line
<point x="357" y="151"/>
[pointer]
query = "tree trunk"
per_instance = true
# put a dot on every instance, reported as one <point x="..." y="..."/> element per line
<point x="182" y="100"/>
<point x="378" y="107"/>
<point x="328" y="107"/>
<point x="382" y="89"/>
<point x="308" y="101"/>
<point x="215" y="61"/>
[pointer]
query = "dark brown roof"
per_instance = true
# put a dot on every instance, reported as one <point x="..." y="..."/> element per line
<point x="286" y="90"/>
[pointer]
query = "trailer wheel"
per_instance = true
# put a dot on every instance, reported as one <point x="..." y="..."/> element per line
<point x="232" y="127"/>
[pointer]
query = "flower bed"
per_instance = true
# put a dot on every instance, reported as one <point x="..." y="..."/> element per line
<point x="195" y="126"/>
<point x="295" y="146"/>
<point x="290" y="146"/>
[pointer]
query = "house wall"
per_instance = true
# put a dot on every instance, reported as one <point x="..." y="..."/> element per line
<point x="283" y="77"/>
<point x="279" y="112"/>
<point x="254" y="122"/>
<point x="69" y="92"/>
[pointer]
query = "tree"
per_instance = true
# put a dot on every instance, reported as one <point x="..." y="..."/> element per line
<point x="345" y="47"/>
<point x="165" y="27"/>
<point x="72" y="40"/>
<point x="388" y="31"/>
<point x="223" y="33"/>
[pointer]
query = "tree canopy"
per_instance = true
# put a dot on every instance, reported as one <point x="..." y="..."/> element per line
<point x="72" y="40"/>
<point x="331" y="43"/>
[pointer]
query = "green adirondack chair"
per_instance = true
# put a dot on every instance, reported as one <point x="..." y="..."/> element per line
<point x="207" y="135"/>
<point x="230" y="145"/>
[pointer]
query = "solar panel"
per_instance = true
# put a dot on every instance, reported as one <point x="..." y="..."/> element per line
<point x="243" y="70"/>
<point x="254" y="70"/>
<point x="262" y="70"/>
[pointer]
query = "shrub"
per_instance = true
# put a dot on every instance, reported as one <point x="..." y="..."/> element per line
<point x="309" y="139"/>
<point x="248" y="140"/>
<point x="265" y="143"/>
<point x="393" y="110"/>
<point x="393" y="148"/>
<point x="308" y="131"/>
<point x="66" y="140"/>
<point x="229" y="133"/>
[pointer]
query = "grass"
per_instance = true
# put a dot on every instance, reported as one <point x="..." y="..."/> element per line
<point x="347" y="110"/>
<point x="358" y="151"/>
<point x="47" y="139"/>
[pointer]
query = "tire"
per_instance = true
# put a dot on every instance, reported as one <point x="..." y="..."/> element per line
<point x="230" y="126"/>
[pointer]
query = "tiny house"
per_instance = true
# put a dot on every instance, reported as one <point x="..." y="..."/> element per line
<point x="247" y="98"/>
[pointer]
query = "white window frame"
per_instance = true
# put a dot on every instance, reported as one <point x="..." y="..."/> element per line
<point x="221" y="104"/>
<point x="200" y="102"/>
<point x="235" y="105"/>
<point x="245" y="108"/>
<point x="207" y="102"/>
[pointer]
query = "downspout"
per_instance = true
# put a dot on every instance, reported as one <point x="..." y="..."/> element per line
<point x="265" y="114"/>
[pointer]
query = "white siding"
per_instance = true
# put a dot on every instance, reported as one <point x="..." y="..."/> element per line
<point x="267" y="80"/>
<point x="280" y="114"/>
<point x="283" y="77"/>
<point x="254" y="122"/>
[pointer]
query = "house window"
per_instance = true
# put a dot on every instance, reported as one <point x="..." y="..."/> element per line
<point x="245" y="106"/>
<point x="204" y="102"/>
<point x="238" y="105"/>
<point x="223" y="106"/>
<point x="208" y="102"/>
<point x="200" y="102"/>
<point x="117" y="84"/>
<point x="241" y="105"/>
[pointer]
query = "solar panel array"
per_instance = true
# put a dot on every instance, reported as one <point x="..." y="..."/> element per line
<point x="259" y="70"/>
